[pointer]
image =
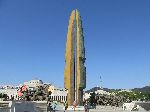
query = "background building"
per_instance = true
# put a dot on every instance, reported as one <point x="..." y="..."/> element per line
<point x="10" y="91"/>
<point x="33" y="83"/>
<point x="57" y="94"/>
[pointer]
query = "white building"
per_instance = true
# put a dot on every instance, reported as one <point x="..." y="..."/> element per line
<point x="58" y="94"/>
<point x="11" y="92"/>
<point x="125" y="90"/>
<point x="102" y="92"/>
<point x="87" y="95"/>
<point x="33" y="83"/>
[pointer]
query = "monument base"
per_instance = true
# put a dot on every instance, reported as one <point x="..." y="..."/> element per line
<point x="76" y="108"/>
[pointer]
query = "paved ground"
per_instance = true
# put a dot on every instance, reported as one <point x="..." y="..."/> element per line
<point x="106" y="109"/>
<point x="98" y="109"/>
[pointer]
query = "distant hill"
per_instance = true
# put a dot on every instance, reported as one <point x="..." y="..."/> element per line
<point x="98" y="88"/>
<point x="143" y="89"/>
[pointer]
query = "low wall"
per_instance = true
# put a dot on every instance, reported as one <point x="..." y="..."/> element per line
<point x="25" y="107"/>
<point x="17" y="106"/>
<point x="139" y="104"/>
<point x="144" y="105"/>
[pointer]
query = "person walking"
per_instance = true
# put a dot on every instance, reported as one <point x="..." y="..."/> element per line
<point x="66" y="105"/>
<point x="49" y="106"/>
<point x="86" y="106"/>
<point x="74" y="105"/>
<point x="54" y="106"/>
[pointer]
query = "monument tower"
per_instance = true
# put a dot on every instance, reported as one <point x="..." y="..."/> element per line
<point x="75" y="70"/>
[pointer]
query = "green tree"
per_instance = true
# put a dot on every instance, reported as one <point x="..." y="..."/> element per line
<point x="93" y="98"/>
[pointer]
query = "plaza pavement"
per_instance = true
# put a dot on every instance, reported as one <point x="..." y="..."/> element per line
<point x="105" y="109"/>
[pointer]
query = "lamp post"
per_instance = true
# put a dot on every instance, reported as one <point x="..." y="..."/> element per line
<point x="100" y="82"/>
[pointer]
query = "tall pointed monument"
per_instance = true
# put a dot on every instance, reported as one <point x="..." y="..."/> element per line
<point x="75" y="70"/>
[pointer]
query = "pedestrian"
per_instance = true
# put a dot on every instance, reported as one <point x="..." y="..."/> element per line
<point x="54" y="106"/>
<point x="74" y="105"/>
<point x="49" y="106"/>
<point x="66" y="105"/>
<point x="86" y="106"/>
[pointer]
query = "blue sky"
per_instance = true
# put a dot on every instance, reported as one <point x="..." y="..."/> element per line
<point x="117" y="41"/>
